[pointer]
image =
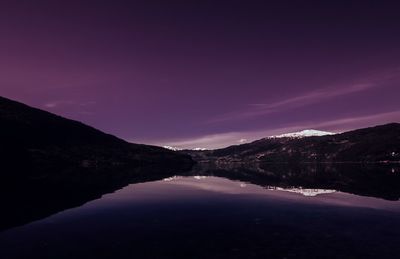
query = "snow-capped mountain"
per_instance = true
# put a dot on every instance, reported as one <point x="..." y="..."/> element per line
<point x="172" y="148"/>
<point x="199" y="149"/>
<point x="304" y="133"/>
<point x="374" y="144"/>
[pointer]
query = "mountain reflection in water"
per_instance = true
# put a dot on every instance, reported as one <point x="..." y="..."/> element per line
<point x="213" y="212"/>
<point x="302" y="191"/>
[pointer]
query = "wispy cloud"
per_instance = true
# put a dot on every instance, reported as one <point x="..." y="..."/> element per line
<point x="343" y="124"/>
<point x="55" y="104"/>
<point x="308" y="98"/>
<point x="67" y="106"/>
<point x="316" y="96"/>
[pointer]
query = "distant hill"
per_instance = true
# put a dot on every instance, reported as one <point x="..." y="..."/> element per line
<point x="375" y="144"/>
<point x="37" y="143"/>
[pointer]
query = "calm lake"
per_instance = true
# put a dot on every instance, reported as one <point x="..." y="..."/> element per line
<point x="213" y="217"/>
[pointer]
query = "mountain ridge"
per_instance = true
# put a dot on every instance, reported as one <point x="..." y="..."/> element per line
<point x="373" y="144"/>
<point x="37" y="142"/>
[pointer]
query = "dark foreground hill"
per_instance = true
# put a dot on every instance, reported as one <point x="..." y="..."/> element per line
<point x="49" y="163"/>
<point x="369" y="145"/>
<point x="36" y="143"/>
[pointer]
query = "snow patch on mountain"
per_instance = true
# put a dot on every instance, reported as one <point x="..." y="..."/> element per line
<point x="172" y="148"/>
<point x="179" y="149"/>
<point x="304" y="133"/>
<point x="199" y="149"/>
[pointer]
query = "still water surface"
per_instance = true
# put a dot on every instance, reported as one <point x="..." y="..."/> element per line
<point x="213" y="217"/>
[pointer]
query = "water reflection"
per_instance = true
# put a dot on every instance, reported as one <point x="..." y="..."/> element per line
<point x="199" y="216"/>
<point x="361" y="179"/>
<point x="206" y="184"/>
<point x="303" y="191"/>
<point x="26" y="201"/>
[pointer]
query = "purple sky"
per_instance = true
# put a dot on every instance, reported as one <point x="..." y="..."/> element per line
<point x="204" y="73"/>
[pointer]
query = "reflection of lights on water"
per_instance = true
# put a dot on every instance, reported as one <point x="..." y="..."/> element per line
<point x="302" y="191"/>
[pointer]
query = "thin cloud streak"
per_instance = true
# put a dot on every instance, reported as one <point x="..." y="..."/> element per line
<point x="54" y="104"/>
<point x="316" y="96"/>
<point x="308" y="98"/>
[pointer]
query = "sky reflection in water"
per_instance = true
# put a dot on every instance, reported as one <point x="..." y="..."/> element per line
<point x="177" y="216"/>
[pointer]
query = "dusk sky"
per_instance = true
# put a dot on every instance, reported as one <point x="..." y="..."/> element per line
<point x="204" y="73"/>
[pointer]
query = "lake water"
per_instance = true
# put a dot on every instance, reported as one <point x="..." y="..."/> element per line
<point x="213" y="217"/>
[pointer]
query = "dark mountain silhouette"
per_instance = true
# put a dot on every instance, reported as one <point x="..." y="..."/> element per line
<point x="36" y="143"/>
<point x="369" y="145"/>
<point x="49" y="163"/>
